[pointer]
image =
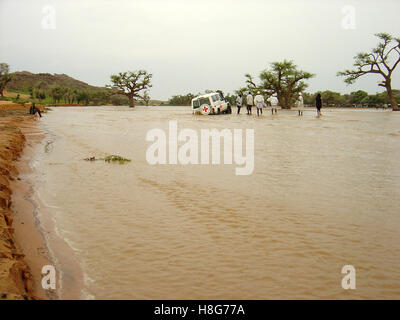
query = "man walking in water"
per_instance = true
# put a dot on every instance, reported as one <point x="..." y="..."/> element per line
<point x="249" y="102"/>
<point x="273" y="100"/>
<point x="239" y="102"/>
<point x="318" y="104"/>
<point x="259" y="102"/>
<point x="300" y="104"/>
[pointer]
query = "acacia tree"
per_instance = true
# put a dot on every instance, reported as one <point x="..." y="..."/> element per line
<point x="383" y="60"/>
<point x="130" y="84"/>
<point x="146" y="98"/>
<point x="284" y="79"/>
<point x="5" y="76"/>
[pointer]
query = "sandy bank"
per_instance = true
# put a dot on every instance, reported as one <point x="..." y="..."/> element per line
<point x="16" y="281"/>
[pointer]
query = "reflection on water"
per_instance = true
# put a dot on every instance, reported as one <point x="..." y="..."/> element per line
<point x="324" y="193"/>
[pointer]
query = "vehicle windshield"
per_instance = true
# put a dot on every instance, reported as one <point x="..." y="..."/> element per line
<point x="204" y="101"/>
<point x="196" y="104"/>
<point x="216" y="97"/>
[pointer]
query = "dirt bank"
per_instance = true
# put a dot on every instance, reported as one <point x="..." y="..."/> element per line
<point x="16" y="281"/>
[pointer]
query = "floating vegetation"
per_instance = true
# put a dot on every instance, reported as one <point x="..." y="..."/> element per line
<point x="116" y="158"/>
<point x="48" y="147"/>
<point x="110" y="158"/>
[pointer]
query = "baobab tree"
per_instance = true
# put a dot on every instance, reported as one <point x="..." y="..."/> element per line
<point x="383" y="60"/>
<point x="130" y="84"/>
<point x="284" y="79"/>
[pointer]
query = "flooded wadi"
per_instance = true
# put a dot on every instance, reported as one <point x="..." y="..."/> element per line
<point x="324" y="193"/>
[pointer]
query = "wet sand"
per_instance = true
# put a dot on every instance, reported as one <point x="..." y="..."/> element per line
<point x="22" y="248"/>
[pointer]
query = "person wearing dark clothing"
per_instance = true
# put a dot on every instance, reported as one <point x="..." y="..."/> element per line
<point x="33" y="110"/>
<point x="318" y="104"/>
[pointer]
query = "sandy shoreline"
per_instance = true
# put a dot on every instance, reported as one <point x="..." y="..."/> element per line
<point x="29" y="233"/>
<point x="22" y="246"/>
<point x="16" y="281"/>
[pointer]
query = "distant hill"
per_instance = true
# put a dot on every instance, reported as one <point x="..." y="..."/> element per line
<point x="24" y="80"/>
<point x="27" y="85"/>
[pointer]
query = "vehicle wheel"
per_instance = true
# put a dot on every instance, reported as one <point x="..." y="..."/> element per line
<point x="205" y="109"/>
<point x="219" y="111"/>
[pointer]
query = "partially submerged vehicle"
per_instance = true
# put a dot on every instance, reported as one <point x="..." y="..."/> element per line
<point x="210" y="103"/>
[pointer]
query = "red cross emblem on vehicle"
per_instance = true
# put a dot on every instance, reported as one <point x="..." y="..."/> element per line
<point x="205" y="109"/>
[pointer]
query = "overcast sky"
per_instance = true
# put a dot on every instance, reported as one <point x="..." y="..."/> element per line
<point x="190" y="46"/>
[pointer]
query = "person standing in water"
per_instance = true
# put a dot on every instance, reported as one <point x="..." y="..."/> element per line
<point x="300" y="104"/>
<point x="274" y="102"/>
<point x="249" y="102"/>
<point x="259" y="102"/>
<point x="239" y="102"/>
<point x="318" y="104"/>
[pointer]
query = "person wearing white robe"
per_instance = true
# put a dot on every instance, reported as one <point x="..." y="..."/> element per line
<point x="300" y="104"/>
<point x="259" y="102"/>
<point x="249" y="102"/>
<point x="273" y="100"/>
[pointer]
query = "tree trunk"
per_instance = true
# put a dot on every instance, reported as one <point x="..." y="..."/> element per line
<point x="280" y="99"/>
<point x="131" y="102"/>
<point x="392" y="100"/>
<point x="285" y="102"/>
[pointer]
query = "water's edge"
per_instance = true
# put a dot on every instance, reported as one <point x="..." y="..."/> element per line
<point x="52" y="249"/>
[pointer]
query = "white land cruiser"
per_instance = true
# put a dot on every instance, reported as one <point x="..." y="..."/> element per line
<point x="210" y="103"/>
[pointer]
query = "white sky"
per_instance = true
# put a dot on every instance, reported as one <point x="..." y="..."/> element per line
<point x="190" y="46"/>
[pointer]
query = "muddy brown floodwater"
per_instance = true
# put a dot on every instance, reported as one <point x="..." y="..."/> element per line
<point x="324" y="193"/>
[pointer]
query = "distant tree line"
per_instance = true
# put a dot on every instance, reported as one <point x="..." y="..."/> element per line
<point x="181" y="100"/>
<point x="358" y="98"/>
<point x="64" y="95"/>
<point x="329" y="98"/>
